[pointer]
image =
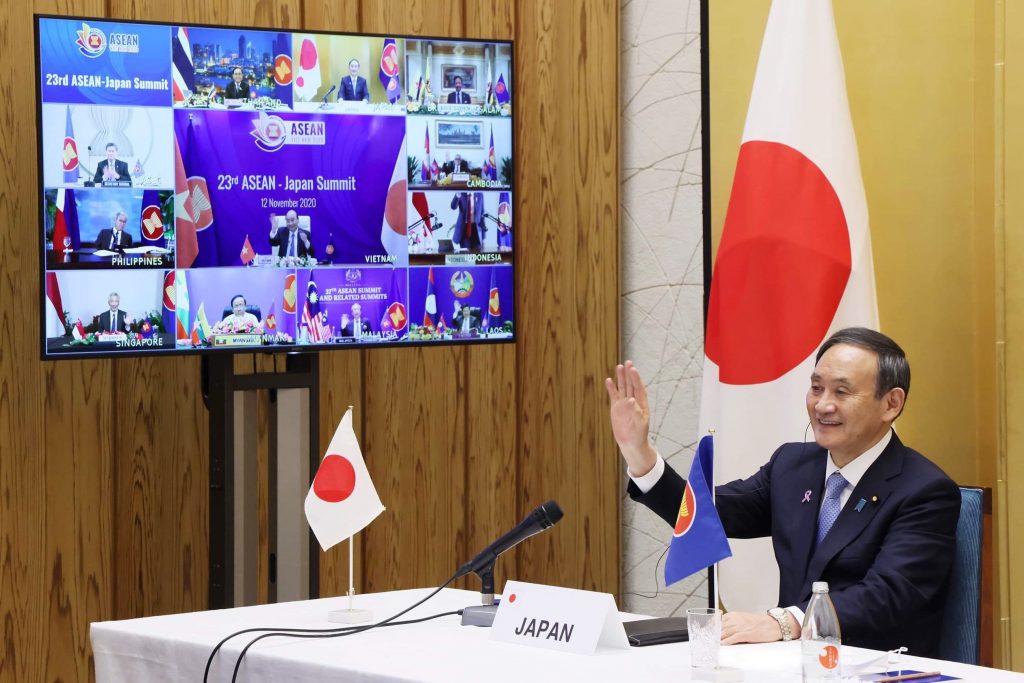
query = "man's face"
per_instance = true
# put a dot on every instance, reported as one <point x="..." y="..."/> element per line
<point x="111" y="153"/>
<point x="353" y="68"/>
<point x="120" y="222"/>
<point x="458" y="84"/>
<point x="237" y="75"/>
<point x="846" y="416"/>
<point x="114" y="301"/>
<point x="291" y="219"/>
<point x="357" y="311"/>
<point x="238" y="305"/>
<point x="458" y="159"/>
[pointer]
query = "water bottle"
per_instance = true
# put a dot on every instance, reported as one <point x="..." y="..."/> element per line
<point x="820" y="637"/>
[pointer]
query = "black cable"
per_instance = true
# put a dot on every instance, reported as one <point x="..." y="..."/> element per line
<point x="323" y="633"/>
<point x="657" y="588"/>
<point x="360" y="629"/>
<point x="287" y="634"/>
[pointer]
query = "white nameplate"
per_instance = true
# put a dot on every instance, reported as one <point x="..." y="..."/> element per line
<point x="555" y="618"/>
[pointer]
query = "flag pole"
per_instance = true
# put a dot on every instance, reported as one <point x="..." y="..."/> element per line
<point x="351" y="615"/>
<point x="351" y="581"/>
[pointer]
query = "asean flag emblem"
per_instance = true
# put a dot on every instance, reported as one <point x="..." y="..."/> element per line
<point x="152" y="222"/>
<point x="389" y="60"/>
<point x="202" y="209"/>
<point x="70" y="158"/>
<point x="397" y="316"/>
<point x="687" y="512"/>
<point x="289" y="293"/>
<point x="283" y="70"/>
<point x="169" y="291"/>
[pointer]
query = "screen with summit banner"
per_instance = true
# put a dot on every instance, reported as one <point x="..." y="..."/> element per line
<point x="219" y="188"/>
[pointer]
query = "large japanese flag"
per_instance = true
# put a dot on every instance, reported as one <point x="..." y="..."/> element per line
<point x="392" y="230"/>
<point x="307" y="76"/>
<point x="793" y="266"/>
<point x="342" y="499"/>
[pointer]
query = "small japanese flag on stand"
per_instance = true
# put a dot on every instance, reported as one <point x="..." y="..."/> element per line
<point x="342" y="499"/>
<point x="341" y="502"/>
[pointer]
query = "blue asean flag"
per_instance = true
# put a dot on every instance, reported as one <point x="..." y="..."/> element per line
<point x="501" y="90"/>
<point x="389" y="70"/>
<point x="69" y="157"/>
<point x="698" y="540"/>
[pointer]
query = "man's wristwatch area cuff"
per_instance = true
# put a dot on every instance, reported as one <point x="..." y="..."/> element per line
<point x="782" y="616"/>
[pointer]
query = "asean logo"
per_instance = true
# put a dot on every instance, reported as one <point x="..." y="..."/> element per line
<point x="283" y="70"/>
<point x="91" y="41"/>
<point x="269" y="131"/>
<point x="687" y="512"/>
<point x="461" y="284"/>
<point x="202" y="208"/>
<point x="396" y="316"/>
<point x="70" y="155"/>
<point x="389" y="60"/>
<point x="152" y="222"/>
<point x="169" y="291"/>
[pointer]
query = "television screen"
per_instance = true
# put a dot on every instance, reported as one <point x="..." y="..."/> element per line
<point x="214" y="188"/>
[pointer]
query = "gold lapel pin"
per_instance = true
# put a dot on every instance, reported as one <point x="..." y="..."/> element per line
<point x="874" y="499"/>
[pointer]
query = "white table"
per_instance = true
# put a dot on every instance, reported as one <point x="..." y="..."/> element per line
<point x="176" y="647"/>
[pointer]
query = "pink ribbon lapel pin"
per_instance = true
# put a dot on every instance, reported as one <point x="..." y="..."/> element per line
<point x="807" y="496"/>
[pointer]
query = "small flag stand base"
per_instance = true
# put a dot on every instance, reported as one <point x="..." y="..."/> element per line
<point x="350" y="615"/>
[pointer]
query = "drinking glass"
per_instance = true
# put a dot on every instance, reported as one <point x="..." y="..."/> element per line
<point x="704" y="625"/>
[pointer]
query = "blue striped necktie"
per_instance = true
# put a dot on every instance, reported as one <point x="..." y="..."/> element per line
<point x="830" y="506"/>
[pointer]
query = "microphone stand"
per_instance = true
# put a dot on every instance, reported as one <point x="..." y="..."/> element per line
<point x="484" y="613"/>
<point x="437" y="226"/>
<point x="507" y="228"/>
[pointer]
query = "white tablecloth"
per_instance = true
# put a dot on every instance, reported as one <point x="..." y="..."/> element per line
<point x="175" y="648"/>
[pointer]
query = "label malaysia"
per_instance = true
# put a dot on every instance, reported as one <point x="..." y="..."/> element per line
<point x="344" y="176"/>
<point x="103" y="62"/>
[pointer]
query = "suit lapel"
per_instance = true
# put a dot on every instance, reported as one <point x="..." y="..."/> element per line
<point x="810" y="478"/>
<point x="874" y="487"/>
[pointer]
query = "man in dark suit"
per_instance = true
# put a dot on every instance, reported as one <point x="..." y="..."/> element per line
<point x="353" y="86"/>
<point x="357" y="325"/>
<point x="116" y="237"/>
<point x="111" y="169"/>
<point x="113" y="319"/>
<point x="468" y="232"/>
<point x="466" y="318"/>
<point x="458" y="165"/>
<point x="857" y="509"/>
<point x="237" y="89"/>
<point x="290" y="240"/>
<point x="458" y="96"/>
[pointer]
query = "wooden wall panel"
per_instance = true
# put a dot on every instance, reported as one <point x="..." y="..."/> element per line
<point x="414" y="442"/>
<point x="78" y="510"/>
<point x="103" y="474"/>
<point x="568" y="281"/>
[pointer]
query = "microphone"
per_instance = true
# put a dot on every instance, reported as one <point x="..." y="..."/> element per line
<point x="328" y="94"/>
<point x="546" y="515"/>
